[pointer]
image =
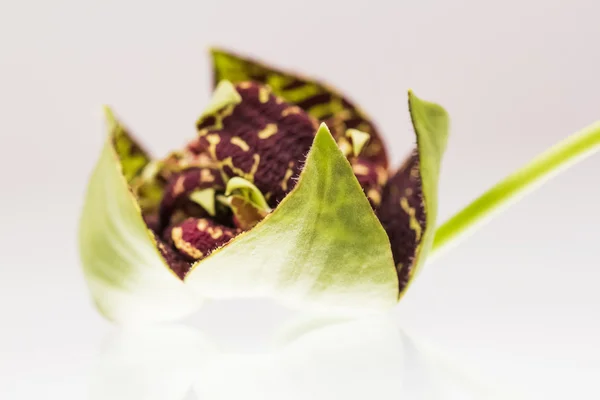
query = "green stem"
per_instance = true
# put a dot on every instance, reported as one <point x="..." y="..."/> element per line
<point x="545" y="166"/>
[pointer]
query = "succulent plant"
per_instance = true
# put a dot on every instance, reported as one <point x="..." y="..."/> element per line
<point x="285" y="192"/>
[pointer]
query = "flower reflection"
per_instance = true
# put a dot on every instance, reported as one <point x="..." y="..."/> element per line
<point x="343" y="359"/>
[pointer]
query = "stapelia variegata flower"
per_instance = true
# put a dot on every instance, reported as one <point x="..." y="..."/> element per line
<point x="285" y="192"/>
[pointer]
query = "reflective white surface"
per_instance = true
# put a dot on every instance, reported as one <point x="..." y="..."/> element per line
<point x="289" y="356"/>
<point x="370" y="358"/>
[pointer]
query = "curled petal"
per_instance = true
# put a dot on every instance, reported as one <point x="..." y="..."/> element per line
<point x="317" y="99"/>
<point x="128" y="276"/>
<point x="245" y="214"/>
<point x="247" y="190"/>
<point x="246" y="202"/>
<point x="408" y="209"/>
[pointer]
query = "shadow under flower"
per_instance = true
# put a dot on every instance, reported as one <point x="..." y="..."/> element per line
<point x="309" y="359"/>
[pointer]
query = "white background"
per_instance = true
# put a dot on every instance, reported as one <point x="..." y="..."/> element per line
<point x="518" y="301"/>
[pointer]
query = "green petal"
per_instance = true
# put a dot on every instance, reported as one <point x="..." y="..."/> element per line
<point x="359" y="140"/>
<point x="137" y="167"/>
<point x="223" y="96"/>
<point x="206" y="199"/>
<point x="431" y="124"/>
<point x="319" y="100"/>
<point x="322" y="247"/>
<point x="127" y="276"/>
<point x="408" y="210"/>
<point x="247" y="190"/>
<point x="133" y="158"/>
<point x="246" y="215"/>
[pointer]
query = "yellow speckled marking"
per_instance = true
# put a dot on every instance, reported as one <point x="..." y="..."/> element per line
<point x="263" y="94"/>
<point x="375" y="196"/>
<point x="239" y="142"/>
<point x="203" y="131"/>
<point x="182" y="245"/>
<point x="408" y="192"/>
<point x="382" y="175"/>
<point x="202" y="225"/>
<point x="291" y="110"/>
<point x="245" y="85"/>
<point x="345" y="146"/>
<point x="213" y="141"/>
<point x="179" y="188"/>
<point x="249" y="176"/>
<point x="214" y="232"/>
<point x="219" y="117"/>
<point x="268" y="131"/>
<point x="414" y="173"/>
<point x="360" y="169"/>
<point x="288" y="174"/>
<point x="206" y="176"/>
<point x="414" y="224"/>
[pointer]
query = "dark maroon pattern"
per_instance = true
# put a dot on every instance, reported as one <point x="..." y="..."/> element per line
<point x="238" y="144"/>
<point x="174" y="260"/>
<point x="406" y="183"/>
<point x="181" y="185"/>
<point x="370" y="177"/>
<point x="320" y="98"/>
<point x="353" y="118"/>
<point x="196" y="238"/>
<point x="278" y="153"/>
<point x="374" y="151"/>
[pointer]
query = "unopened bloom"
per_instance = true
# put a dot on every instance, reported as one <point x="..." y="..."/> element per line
<point x="285" y="192"/>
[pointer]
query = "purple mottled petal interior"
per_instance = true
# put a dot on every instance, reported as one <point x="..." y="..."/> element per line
<point x="263" y="140"/>
<point x="181" y="185"/>
<point x="402" y="214"/>
<point x="319" y="100"/>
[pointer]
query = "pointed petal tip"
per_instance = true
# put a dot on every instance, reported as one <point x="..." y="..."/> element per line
<point x="325" y="217"/>
<point x="433" y="107"/>
<point x="225" y="94"/>
<point x="206" y="199"/>
<point x="359" y="140"/>
<point x="429" y="119"/>
<point x="107" y="110"/>
<point x="109" y="117"/>
<point x="323" y="129"/>
<point x="214" y="50"/>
